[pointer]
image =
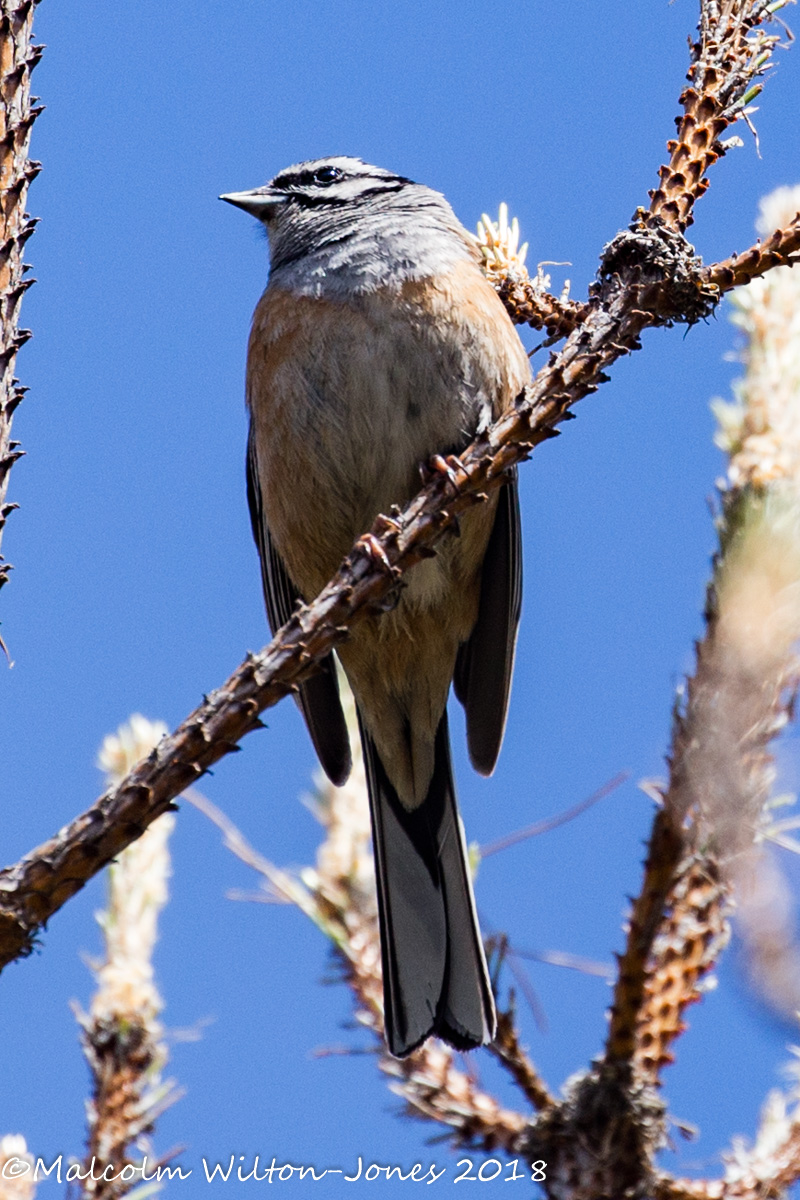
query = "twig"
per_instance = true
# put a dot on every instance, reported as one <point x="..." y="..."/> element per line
<point x="507" y="1048"/>
<point x="550" y="823"/>
<point x="665" y="852"/>
<point x="282" y="886"/>
<point x="338" y="895"/>
<point x="601" y="1139"/>
<point x="570" y="962"/>
<point x="740" y="696"/>
<point x="529" y="305"/>
<point x="647" y="277"/>
<point x="755" y="619"/>
<point x="781" y="248"/>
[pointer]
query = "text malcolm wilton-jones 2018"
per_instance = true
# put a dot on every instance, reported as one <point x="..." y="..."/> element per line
<point x="490" y="1169"/>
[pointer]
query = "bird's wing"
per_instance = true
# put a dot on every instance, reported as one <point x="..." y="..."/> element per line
<point x="318" y="697"/>
<point x="486" y="661"/>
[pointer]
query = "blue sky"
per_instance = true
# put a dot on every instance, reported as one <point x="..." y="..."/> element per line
<point x="137" y="587"/>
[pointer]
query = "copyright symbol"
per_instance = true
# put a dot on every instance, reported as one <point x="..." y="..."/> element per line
<point x="14" y="1167"/>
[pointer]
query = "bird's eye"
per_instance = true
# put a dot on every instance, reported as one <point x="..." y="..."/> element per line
<point x="327" y="175"/>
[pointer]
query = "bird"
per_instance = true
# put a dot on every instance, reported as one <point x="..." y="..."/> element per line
<point x="378" y="344"/>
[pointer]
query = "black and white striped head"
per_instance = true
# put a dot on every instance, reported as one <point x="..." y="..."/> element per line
<point x="322" y="183"/>
<point x="338" y="213"/>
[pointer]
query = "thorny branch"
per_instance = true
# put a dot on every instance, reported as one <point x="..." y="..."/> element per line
<point x="740" y="698"/>
<point x="18" y="57"/>
<point x="648" y="277"/>
<point x="601" y="1138"/>
<point x="530" y="304"/>
<point x="732" y="53"/>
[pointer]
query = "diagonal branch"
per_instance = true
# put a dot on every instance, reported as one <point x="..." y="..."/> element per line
<point x="647" y="277"/>
<point x="18" y="57"/>
<point x="601" y="1138"/>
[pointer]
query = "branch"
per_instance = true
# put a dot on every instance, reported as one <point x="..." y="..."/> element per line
<point x="507" y="1048"/>
<point x="676" y="931"/>
<point x="338" y="895"/>
<point x="647" y="278"/>
<point x="18" y="57"/>
<point x="741" y="694"/>
<point x="763" y="1172"/>
<point x="527" y="299"/>
<point x="602" y="1137"/>
<point x="721" y="770"/>
<point x="610" y="1124"/>
<point x="528" y="304"/>
<point x="731" y="53"/>
<point x="781" y="248"/>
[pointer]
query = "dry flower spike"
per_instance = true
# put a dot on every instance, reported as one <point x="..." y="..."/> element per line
<point x="527" y="298"/>
<point x="122" y="1033"/>
<point x="733" y="51"/>
<point x="16" y="1169"/>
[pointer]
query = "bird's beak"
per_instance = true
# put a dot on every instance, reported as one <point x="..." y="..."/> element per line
<point x="261" y="202"/>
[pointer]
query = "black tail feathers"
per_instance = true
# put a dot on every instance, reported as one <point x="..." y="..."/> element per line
<point x="435" y="980"/>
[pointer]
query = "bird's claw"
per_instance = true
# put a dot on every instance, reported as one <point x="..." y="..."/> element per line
<point x="370" y="545"/>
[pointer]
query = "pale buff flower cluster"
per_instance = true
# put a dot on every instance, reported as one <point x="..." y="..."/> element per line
<point x="122" y="1034"/>
<point x="502" y="255"/>
<point x="137" y="892"/>
<point x="503" y="264"/>
<point x="748" y="1169"/>
<point x="758" y="585"/>
<point x="757" y="636"/>
<point x="133" y="741"/>
<point x="761" y="428"/>
<point x="16" y="1183"/>
<point x="757" y="582"/>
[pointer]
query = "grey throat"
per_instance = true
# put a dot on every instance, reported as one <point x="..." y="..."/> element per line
<point x="339" y="226"/>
